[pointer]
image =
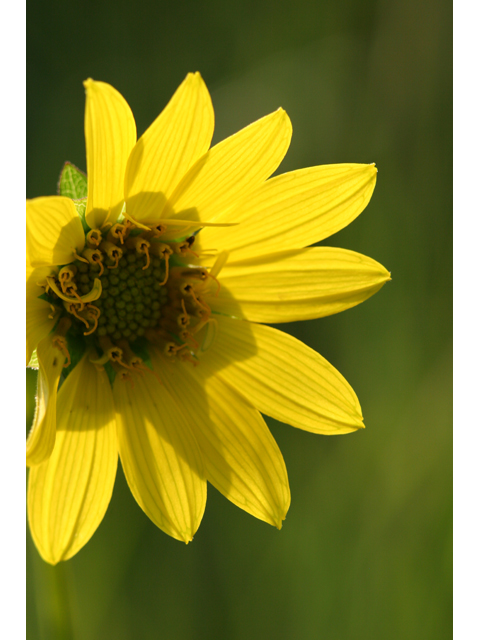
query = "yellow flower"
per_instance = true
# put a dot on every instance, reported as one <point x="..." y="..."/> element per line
<point x="145" y="314"/>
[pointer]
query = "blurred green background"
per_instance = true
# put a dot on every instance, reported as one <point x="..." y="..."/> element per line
<point x="365" y="551"/>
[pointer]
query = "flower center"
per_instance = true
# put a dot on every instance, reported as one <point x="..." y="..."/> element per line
<point x="131" y="298"/>
<point x="130" y="288"/>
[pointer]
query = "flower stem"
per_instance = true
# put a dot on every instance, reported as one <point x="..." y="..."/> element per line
<point x="52" y="586"/>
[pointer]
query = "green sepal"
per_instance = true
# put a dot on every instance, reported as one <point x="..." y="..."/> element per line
<point x="110" y="371"/>
<point x="76" y="346"/>
<point x="136" y="232"/>
<point x="72" y="182"/>
<point x="33" y="364"/>
<point x="81" y="207"/>
<point x="140" y="349"/>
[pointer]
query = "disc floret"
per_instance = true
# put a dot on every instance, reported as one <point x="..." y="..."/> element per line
<point x="127" y="286"/>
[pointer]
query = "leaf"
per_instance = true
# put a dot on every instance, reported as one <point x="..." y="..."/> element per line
<point x="76" y="346"/>
<point x="111" y="373"/>
<point x="33" y="364"/>
<point x="81" y="207"/>
<point x="72" y="182"/>
<point x="140" y="349"/>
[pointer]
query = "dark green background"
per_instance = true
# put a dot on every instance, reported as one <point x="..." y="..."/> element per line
<point x="365" y="552"/>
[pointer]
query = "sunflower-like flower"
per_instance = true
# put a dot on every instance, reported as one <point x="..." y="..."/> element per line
<point x="146" y="304"/>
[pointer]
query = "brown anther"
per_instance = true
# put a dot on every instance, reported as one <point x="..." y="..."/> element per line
<point x="186" y="336"/>
<point x="114" y="352"/>
<point x="190" y="291"/>
<point x="155" y="232"/>
<point x="60" y="343"/>
<point x="94" y="256"/>
<point x="164" y="281"/>
<point x="130" y="357"/>
<point x="66" y="275"/>
<point x="72" y="309"/>
<point x="147" y="264"/>
<point x="54" y="311"/>
<point x="144" y="369"/>
<point x="199" y="326"/>
<point x="93" y="310"/>
<point x="183" y="319"/>
<point x="186" y="356"/>
<point x="115" y="256"/>
<point x="123" y="375"/>
<point x="116" y="356"/>
<point x="118" y="232"/>
<point x="126" y="377"/>
<point x="128" y="226"/>
<point x="162" y="251"/>
<point x="89" y="253"/>
<point x="100" y="264"/>
<point x="200" y="312"/>
<point x="64" y="285"/>
<point x="111" y="249"/>
<point x="174" y="349"/>
<point x="94" y="238"/>
<point x="94" y="313"/>
<point x="71" y="291"/>
<point x="195" y="274"/>
<point x="137" y="242"/>
<point x="59" y="340"/>
<point x="184" y="248"/>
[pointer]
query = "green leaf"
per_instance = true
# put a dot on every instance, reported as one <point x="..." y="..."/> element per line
<point x="33" y="364"/>
<point x="140" y="349"/>
<point x="72" y="182"/>
<point x="110" y="372"/>
<point x="81" y="207"/>
<point x="76" y="346"/>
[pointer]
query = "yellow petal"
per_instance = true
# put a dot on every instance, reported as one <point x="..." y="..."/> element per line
<point x="283" y="378"/>
<point x="39" y="324"/>
<point x="160" y="457"/>
<point x="295" y="210"/>
<point x="110" y="135"/>
<point x="231" y="170"/>
<point x="37" y="277"/>
<point x="69" y="494"/>
<point x="41" y="438"/>
<point x="40" y="321"/>
<point x="54" y="231"/>
<point x="298" y="285"/>
<point x="170" y="146"/>
<point x="242" y="460"/>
